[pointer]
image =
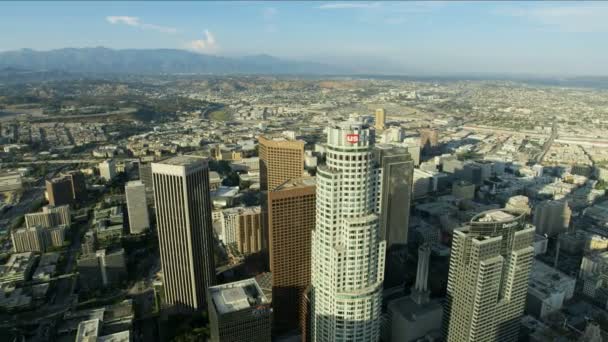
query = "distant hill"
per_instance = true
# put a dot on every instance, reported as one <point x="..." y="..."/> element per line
<point x="102" y="60"/>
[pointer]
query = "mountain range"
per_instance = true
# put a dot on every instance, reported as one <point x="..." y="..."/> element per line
<point x="156" y="61"/>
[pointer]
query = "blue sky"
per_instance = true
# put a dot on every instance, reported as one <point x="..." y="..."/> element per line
<point x="559" y="38"/>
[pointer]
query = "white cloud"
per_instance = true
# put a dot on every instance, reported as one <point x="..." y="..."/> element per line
<point x="583" y="17"/>
<point x="119" y="19"/>
<point x="349" y="5"/>
<point x="207" y="44"/>
<point x="135" y="22"/>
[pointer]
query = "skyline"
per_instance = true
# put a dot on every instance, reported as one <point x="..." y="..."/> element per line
<point x="548" y="38"/>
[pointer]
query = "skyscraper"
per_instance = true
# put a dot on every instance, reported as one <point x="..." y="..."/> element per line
<point x="107" y="169"/>
<point x="380" y="119"/>
<point x="552" y="217"/>
<point x="79" y="187"/>
<point x="145" y="174"/>
<point x="488" y="280"/>
<point x="239" y="312"/>
<point x="59" y="191"/>
<point x="280" y="160"/>
<point x="183" y="215"/>
<point x="291" y="220"/>
<point x="347" y="247"/>
<point x="397" y="176"/>
<point x="137" y="207"/>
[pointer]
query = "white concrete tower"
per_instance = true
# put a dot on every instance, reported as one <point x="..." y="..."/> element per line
<point x="347" y="248"/>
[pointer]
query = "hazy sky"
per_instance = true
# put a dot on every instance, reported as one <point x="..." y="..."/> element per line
<point x="422" y="37"/>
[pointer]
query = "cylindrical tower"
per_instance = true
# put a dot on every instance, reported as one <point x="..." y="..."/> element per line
<point x="347" y="249"/>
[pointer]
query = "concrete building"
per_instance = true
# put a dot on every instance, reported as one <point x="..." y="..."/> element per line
<point x="28" y="240"/>
<point x="185" y="231"/>
<point x="137" y="207"/>
<point x="239" y="312"/>
<point x="347" y="247"/>
<point x="291" y="220"/>
<point x="102" y="268"/>
<point x="413" y="147"/>
<point x="18" y="268"/>
<point x="145" y="175"/>
<point x="49" y="217"/>
<point x="397" y="170"/>
<point x="78" y="185"/>
<point x="280" y="160"/>
<point x="380" y="122"/>
<point x="55" y="236"/>
<point x="10" y="181"/>
<point x="59" y="191"/>
<point x="249" y="235"/>
<point x="490" y="265"/>
<point x="242" y="228"/>
<point x="107" y="170"/>
<point x="519" y="202"/>
<point x="414" y="317"/>
<point x="548" y="290"/>
<point x="463" y="190"/>
<point x="552" y="217"/>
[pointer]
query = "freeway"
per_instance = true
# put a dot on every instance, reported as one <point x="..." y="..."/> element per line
<point x="72" y="161"/>
<point x="547" y="145"/>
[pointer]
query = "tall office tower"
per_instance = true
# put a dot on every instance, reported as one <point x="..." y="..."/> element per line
<point x="107" y="169"/>
<point x="59" y="191"/>
<point x="145" y="175"/>
<point x="347" y="247"/>
<point x="429" y="139"/>
<point x="397" y="176"/>
<point x="488" y="280"/>
<point x="49" y="217"/>
<point x="380" y="119"/>
<point x="183" y="216"/>
<point x="239" y="312"/>
<point x="79" y="187"/>
<point x="552" y="217"/>
<point x="280" y="160"/>
<point x="291" y="220"/>
<point x="137" y="207"/>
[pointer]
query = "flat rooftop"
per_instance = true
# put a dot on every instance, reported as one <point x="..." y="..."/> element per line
<point x="181" y="160"/>
<point x="123" y="336"/>
<point x="296" y="183"/>
<point x="134" y="183"/>
<point x="88" y="331"/>
<point x="237" y="296"/>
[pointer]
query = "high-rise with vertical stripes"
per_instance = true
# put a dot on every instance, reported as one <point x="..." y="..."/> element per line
<point x="183" y="215"/>
<point x="490" y="265"/>
<point x="347" y="246"/>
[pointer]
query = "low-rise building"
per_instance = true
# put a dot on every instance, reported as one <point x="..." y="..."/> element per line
<point x="548" y="289"/>
<point x="10" y="181"/>
<point x="18" y="268"/>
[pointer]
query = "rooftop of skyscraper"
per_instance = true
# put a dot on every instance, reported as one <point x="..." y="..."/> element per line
<point x="297" y="182"/>
<point x="182" y="160"/>
<point x="237" y="296"/>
